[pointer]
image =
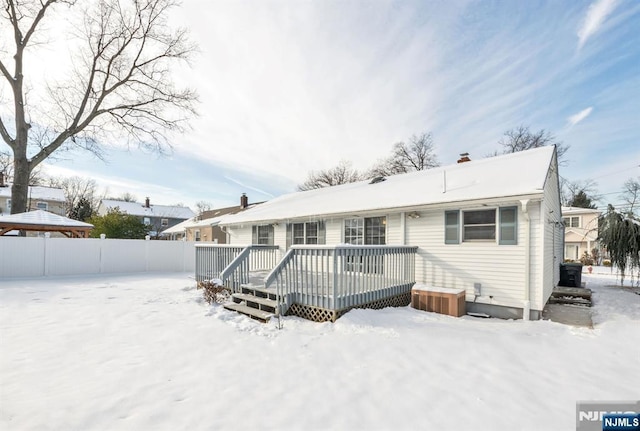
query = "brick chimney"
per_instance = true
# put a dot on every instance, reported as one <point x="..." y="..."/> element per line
<point x="464" y="157"/>
<point x="244" y="201"/>
<point x="146" y="202"/>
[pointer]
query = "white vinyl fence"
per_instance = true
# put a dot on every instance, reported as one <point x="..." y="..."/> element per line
<point x="35" y="257"/>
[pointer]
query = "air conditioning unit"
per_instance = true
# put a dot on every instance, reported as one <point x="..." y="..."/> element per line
<point x="440" y="300"/>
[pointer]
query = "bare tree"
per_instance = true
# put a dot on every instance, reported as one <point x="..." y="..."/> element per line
<point x="77" y="191"/>
<point x="579" y="193"/>
<point x="631" y="194"/>
<point x="203" y="206"/>
<point x="521" y="139"/>
<point x="341" y="174"/>
<point x="120" y="84"/>
<point x="36" y="177"/>
<point x="416" y="155"/>
<point x="127" y="197"/>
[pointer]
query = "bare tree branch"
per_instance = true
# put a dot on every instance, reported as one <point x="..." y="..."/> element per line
<point x="417" y="155"/>
<point x="341" y="174"/>
<point x="121" y="85"/>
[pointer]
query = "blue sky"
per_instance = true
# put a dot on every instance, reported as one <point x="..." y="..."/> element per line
<point x="291" y="86"/>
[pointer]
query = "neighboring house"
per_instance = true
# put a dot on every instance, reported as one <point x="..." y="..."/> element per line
<point x="159" y="217"/>
<point x="49" y="199"/>
<point x="205" y="227"/>
<point x="581" y="231"/>
<point x="491" y="227"/>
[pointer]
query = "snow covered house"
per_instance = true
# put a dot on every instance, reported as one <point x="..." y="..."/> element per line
<point x="581" y="231"/>
<point x="159" y="217"/>
<point x="42" y="198"/>
<point x="492" y="227"/>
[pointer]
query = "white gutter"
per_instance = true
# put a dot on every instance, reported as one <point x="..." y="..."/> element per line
<point x="526" y="310"/>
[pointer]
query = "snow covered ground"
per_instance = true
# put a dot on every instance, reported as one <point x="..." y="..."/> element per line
<point x="143" y="352"/>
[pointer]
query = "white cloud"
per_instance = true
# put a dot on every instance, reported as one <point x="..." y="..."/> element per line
<point x="576" y="118"/>
<point x="596" y="15"/>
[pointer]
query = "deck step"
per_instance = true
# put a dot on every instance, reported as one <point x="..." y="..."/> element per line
<point x="577" y="292"/>
<point x="254" y="313"/>
<point x="570" y="301"/>
<point x="259" y="291"/>
<point x="239" y="297"/>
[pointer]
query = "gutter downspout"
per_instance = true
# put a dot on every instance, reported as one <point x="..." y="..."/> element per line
<point x="526" y="310"/>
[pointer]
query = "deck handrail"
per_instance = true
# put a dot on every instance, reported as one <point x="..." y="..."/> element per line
<point x="342" y="276"/>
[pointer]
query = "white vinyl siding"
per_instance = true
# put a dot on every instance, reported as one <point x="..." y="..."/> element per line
<point x="552" y="239"/>
<point x="442" y="265"/>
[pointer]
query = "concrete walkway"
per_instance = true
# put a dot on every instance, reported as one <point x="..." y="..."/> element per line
<point x="574" y="315"/>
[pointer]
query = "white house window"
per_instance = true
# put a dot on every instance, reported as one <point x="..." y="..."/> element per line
<point x="147" y="221"/>
<point x="571" y="221"/>
<point x="196" y="235"/>
<point x="305" y="233"/>
<point x="164" y="222"/>
<point x="42" y="206"/>
<point x="8" y="205"/>
<point x="479" y="225"/>
<point x="482" y="225"/>
<point x="263" y="235"/>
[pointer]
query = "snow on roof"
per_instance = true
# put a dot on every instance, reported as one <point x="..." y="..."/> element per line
<point x="38" y="192"/>
<point x="517" y="174"/>
<point x="44" y="218"/>
<point x="179" y="228"/>
<point x="138" y="209"/>
<point x="578" y="210"/>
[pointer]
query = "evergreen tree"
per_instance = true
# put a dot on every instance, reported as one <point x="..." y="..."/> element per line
<point x="620" y="235"/>
<point x="581" y="200"/>
<point x="116" y="224"/>
<point x="82" y="210"/>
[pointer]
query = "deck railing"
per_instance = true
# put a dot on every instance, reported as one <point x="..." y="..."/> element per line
<point x="231" y="264"/>
<point x="344" y="276"/>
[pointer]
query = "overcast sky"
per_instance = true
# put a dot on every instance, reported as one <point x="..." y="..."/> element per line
<point x="291" y="86"/>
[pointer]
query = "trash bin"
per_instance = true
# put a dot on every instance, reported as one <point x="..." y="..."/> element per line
<point x="571" y="274"/>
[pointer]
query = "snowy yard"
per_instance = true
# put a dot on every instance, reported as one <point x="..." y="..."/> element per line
<point x="143" y="352"/>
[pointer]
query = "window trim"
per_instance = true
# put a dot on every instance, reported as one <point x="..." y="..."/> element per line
<point x="164" y="222"/>
<point x="255" y="234"/>
<point x="362" y="237"/>
<point x="44" y="204"/>
<point x="305" y="233"/>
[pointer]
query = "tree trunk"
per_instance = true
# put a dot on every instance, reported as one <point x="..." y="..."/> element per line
<point x="20" y="188"/>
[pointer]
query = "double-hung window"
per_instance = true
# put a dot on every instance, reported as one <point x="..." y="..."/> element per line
<point x="305" y="233"/>
<point x="571" y="221"/>
<point x="263" y="235"/>
<point x="485" y="225"/>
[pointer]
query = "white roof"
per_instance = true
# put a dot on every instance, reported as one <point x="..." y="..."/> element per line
<point x="517" y="174"/>
<point x="138" y="209"/>
<point x="179" y="228"/>
<point x="38" y="193"/>
<point x="578" y="210"/>
<point x="42" y="218"/>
